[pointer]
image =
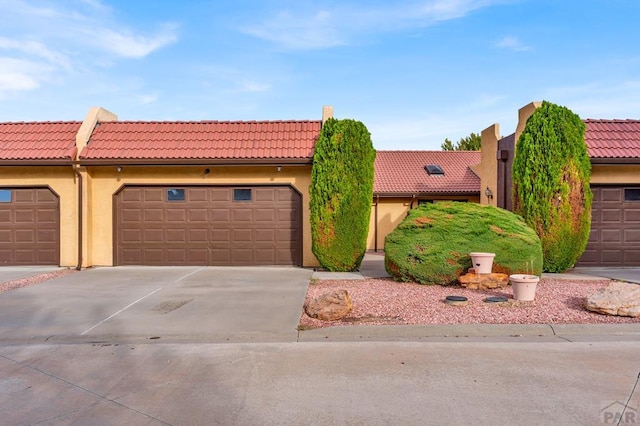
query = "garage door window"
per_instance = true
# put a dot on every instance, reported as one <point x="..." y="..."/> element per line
<point x="632" y="194"/>
<point x="242" y="194"/>
<point x="5" y="195"/>
<point x="175" y="194"/>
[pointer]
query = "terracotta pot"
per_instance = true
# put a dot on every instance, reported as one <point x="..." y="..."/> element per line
<point x="482" y="262"/>
<point x="524" y="286"/>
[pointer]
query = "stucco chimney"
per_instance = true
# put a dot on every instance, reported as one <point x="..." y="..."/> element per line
<point x="487" y="170"/>
<point x="94" y="116"/>
<point x="327" y="113"/>
<point x="523" y="115"/>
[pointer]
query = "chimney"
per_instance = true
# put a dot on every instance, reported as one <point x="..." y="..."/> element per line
<point x="327" y="113"/>
<point x="94" y="116"/>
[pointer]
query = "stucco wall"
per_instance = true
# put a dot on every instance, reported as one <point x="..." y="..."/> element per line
<point x="391" y="211"/>
<point x="105" y="181"/>
<point x="615" y="174"/>
<point x="62" y="180"/>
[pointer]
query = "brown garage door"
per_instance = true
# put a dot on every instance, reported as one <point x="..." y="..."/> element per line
<point x="208" y="226"/>
<point x="29" y="227"/>
<point x="615" y="227"/>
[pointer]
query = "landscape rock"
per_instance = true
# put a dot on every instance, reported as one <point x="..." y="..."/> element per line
<point x="330" y="306"/>
<point x="475" y="281"/>
<point x="618" y="298"/>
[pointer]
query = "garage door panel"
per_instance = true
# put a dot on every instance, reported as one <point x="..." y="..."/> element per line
<point x="212" y="226"/>
<point x="265" y="195"/>
<point x="268" y="235"/>
<point x="611" y="216"/>
<point x="632" y="236"/>
<point x="264" y="215"/>
<point x="632" y="216"/>
<point x="25" y="236"/>
<point x="220" y="236"/>
<point x="131" y="215"/>
<point x="176" y="215"/>
<point x="153" y="236"/>
<point x="220" y="194"/>
<point x="6" y="216"/>
<point x="153" y="194"/>
<point x="242" y="215"/>
<point x="46" y="236"/>
<point x="220" y="215"/>
<point x="131" y="235"/>
<point x="152" y="215"/>
<point x="198" y="235"/>
<point x="197" y="215"/>
<point x="613" y="195"/>
<point x="25" y="216"/>
<point x="47" y="216"/>
<point x="176" y="236"/>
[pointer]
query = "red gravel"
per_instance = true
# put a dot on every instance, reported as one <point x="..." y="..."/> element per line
<point x="387" y="302"/>
<point x="35" y="279"/>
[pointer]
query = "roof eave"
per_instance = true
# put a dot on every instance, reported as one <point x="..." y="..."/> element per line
<point x="617" y="160"/>
<point x="423" y="194"/>
<point x="195" y="162"/>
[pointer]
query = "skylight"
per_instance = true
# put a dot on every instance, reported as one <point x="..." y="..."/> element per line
<point x="434" y="170"/>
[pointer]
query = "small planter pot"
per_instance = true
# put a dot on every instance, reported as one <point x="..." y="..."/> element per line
<point x="482" y="262"/>
<point x="524" y="286"/>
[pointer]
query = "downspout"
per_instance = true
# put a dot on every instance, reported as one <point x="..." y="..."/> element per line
<point x="80" y="200"/>
<point x="375" y="225"/>
<point x="413" y="197"/>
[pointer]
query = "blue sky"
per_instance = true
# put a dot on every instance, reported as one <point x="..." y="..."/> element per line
<point x="414" y="72"/>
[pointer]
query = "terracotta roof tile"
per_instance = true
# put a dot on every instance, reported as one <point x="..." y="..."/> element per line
<point x="38" y="140"/>
<point x="203" y="140"/>
<point x="613" y="138"/>
<point x="402" y="172"/>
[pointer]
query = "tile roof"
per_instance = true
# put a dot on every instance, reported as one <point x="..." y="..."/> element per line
<point x="203" y="140"/>
<point x="38" y="141"/>
<point x="613" y="138"/>
<point x="402" y="172"/>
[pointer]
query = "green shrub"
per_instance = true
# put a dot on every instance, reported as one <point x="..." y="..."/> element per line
<point x="340" y="194"/>
<point x="432" y="244"/>
<point x="551" y="173"/>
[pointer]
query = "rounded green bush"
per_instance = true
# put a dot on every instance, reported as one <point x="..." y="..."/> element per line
<point x="432" y="244"/>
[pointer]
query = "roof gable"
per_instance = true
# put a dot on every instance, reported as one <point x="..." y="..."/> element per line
<point x="33" y="141"/>
<point x="204" y="140"/>
<point x="403" y="172"/>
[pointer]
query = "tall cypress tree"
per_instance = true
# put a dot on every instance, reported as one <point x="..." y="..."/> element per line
<point x="551" y="173"/>
<point x="341" y="193"/>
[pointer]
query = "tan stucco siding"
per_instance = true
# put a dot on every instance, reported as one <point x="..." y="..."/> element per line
<point x="602" y="174"/>
<point x="106" y="182"/>
<point x="62" y="180"/>
<point x="391" y="211"/>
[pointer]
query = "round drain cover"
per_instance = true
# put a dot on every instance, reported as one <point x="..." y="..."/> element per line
<point x="495" y="299"/>
<point x="456" y="300"/>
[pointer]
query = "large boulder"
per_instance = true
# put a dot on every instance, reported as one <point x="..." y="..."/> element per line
<point x="618" y="298"/>
<point x="432" y="244"/>
<point x="330" y="306"/>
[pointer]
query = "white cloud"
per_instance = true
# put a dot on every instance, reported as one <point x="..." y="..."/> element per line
<point x="512" y="43"/>
<point x="129" y="45"/>
<point x="338" y="24"/>
<point x="66" y="37"/>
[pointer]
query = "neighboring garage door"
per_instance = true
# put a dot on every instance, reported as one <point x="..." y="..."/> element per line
<point x="198" y="225"/>
<point x="29" y="227"/>
<point x="615" y="227"/>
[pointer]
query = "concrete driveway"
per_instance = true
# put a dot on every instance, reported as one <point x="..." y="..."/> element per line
<point x="158" y="303"/>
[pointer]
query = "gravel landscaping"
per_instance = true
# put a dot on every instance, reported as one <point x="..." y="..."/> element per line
<point x="387" y="302"/>
<point x="35" y="279"/>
